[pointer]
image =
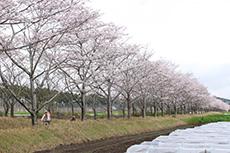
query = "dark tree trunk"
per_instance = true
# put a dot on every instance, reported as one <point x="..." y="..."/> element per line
<point x="129" y="106"/>
<point x="134" y="109"/>
<point x="109" y="105"/>
<point x="94" y="114"/>
<point x="143" y="113"/>
<point x="185" y="111"/>
<point x="155" y="109"/>
<point x="6" y="108"/>
<point x="175" y="110"/>
<point x="83" y="104"/>
<point x="33" y="96"/>
<point x="6" y="111"/>
<point x="111" y="109"/>
<point x="12" y="109"/>
<point x="143" y="110"/>
<point x="72" y="109"/>
<point x="33" y="118"/>
<point x="123" y="110"/>
<point x="162" y="109"/>
<point x="83" y="109"/>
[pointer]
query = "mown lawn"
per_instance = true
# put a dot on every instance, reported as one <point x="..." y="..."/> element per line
<point x="17" y="135"/>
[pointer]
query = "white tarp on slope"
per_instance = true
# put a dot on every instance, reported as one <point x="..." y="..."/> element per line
<point x="209" y="138"/>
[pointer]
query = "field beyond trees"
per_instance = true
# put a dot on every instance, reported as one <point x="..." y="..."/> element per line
<point x="18" y="136"/>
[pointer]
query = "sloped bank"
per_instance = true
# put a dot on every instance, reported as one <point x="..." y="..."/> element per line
<point x="16" y="135"/>
<point x="121" y="143"/>
<point x="112" y="145"/>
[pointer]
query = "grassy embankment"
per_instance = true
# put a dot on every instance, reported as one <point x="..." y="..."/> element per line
<point x="17" y="135"/>
<point x="208" y="119"/>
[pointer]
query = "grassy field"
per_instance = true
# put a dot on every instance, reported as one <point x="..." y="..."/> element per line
<point x="17" y="135"/>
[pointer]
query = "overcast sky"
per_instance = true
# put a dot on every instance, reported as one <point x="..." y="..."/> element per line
<point x="194" y="34"/>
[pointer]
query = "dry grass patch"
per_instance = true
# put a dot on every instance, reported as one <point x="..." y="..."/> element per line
<point x="17" y="135"/>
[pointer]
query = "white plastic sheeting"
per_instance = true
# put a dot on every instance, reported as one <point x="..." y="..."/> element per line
<point x="209" y="138"/>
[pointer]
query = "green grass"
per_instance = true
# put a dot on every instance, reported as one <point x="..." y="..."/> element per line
<point x="22" y="113"/>
<point x="104" y="114"/>
<point x="17" y="135"/>
<point x="208" y="119"/>
<point x="99" y="114"/>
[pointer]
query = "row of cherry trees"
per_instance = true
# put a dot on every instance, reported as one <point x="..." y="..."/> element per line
<point x="61" y="45"/>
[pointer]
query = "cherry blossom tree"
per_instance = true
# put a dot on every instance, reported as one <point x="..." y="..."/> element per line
<point x="15" y="82"/>
<point x="33" y="44"/>
<point x="86" y="52"/>
<point x="133" y="71"/>
<point x="106" y="82"/>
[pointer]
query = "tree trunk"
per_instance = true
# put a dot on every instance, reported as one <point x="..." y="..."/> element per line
<point x="32" y="90"/>
<point x="111" y="108"/>
<point x="6" y="111"/>
<point x="155" y="109"/>
<point x="83" y="106"/>
<point x="72" y="109"/>
<point x="181" y="109"/>
<point x="94" y="114"/>
<point x="123" y="110"/>
<point x="143" y="111"/>
<point x="162" y="109"/>
<point x="151" y="110"/>
<point x="129" y="106"/>
<point x="109" y="105"/>
<point x="134" y="109"/>
<point x="175" y="110"/>
<point x="189" y="108"/>
<point x="33" y="102"/>
<point x="33" y="118"/>
<point x="12" y="109"/>
<point x="185" y="111"/>
<point x="168" y="110"/>
<point x="6" y="108"/>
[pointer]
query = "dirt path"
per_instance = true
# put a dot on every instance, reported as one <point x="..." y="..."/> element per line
<point x="111" y="145"/>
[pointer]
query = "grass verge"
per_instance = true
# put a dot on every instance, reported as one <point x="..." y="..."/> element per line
<point x="16" y="135"/>
<point x="208" y="119"/>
